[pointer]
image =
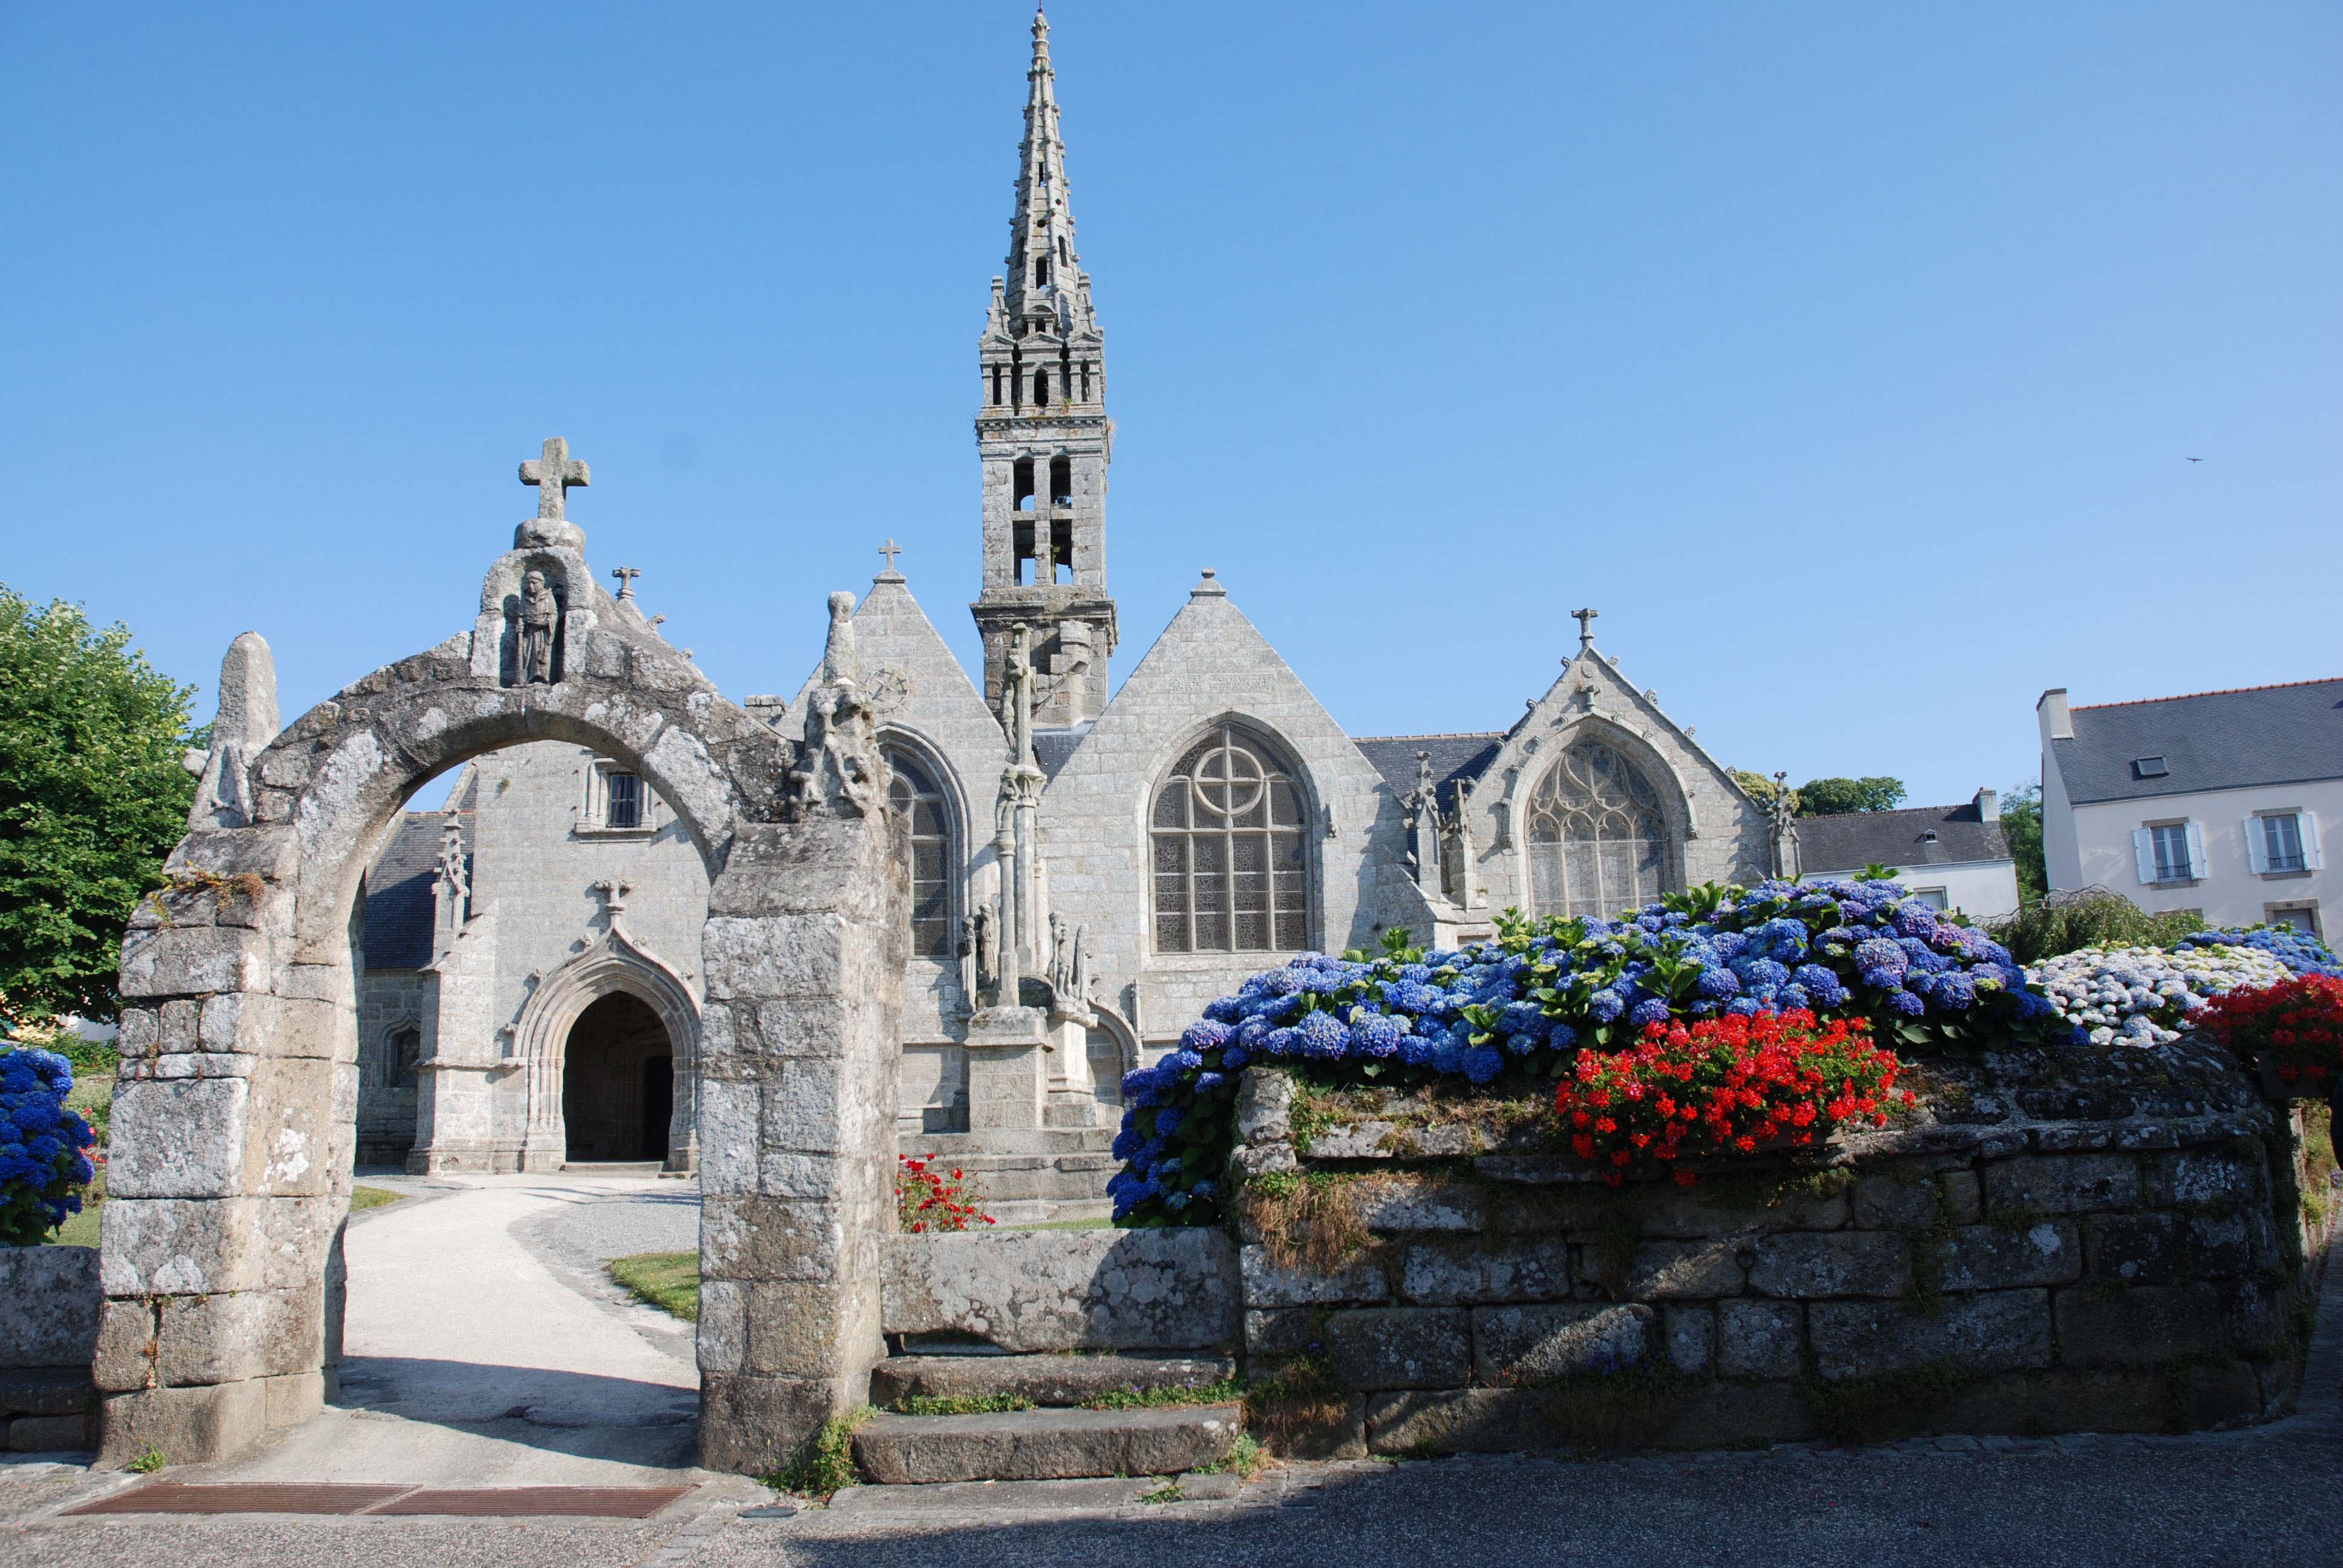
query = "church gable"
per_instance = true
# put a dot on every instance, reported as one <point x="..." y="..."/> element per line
<point x="1695" y="824"/>
<point x="1211" y="665"/>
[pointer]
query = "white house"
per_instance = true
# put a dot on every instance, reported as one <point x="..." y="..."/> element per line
<point x="1953" y="857"/>
<point x="2209" y="803"/>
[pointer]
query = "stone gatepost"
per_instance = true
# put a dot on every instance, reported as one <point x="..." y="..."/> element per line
<point x="232" y="1128"/>
<point x="808" y="933"/>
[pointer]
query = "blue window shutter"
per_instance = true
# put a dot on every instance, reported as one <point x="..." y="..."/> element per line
<point x="2197" y="862"/>
<point x="2256" y="846"/>
<point x="2311" y="859"/>
<point x="2143" y="849"/>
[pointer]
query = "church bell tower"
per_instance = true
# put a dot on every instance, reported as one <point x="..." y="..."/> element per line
<point x="1044" y="437"/>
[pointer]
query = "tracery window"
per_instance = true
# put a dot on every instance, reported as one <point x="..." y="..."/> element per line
<point x="1231" y="869"/>
<point x="1598" y="841"/>
<point x="913" y="793"/>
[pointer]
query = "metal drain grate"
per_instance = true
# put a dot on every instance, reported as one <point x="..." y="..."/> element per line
<point x="534" y="1501"/>
<point x="346" y="1498"/>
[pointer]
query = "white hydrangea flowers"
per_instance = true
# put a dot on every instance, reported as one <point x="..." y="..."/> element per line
<point x="2137" y="995"/>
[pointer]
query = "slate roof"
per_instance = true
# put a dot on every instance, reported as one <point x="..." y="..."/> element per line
<point x="1054" y="749"/>
<point x="398" y="904"/>
<point x="1853" y="840"/>
<point x="2209" y="741"/>
<point x="1454" y="757"/>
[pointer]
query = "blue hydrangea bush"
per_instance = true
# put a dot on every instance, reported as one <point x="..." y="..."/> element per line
<point x="1510" y="1014"/>
<point x="43" y="1163"/>
<point x="2300" y="951"/>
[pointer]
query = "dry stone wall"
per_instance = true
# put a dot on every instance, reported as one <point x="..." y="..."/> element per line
<point x="2061" y="1242"/>
<point x="47" y="1332"/>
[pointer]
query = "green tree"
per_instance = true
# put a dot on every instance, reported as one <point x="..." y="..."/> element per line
<point x="1837" y="796"/>
<point x="2021" y="824"/>
<point x="93" y="795"/>
<point x="1756" y="786"/>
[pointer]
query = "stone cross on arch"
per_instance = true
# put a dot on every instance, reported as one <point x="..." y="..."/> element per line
<point x="890" y="549"/>
<point x="1586" y="619"/>
<point x="553" y="474"/>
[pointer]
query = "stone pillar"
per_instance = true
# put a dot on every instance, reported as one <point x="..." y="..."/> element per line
<point x="230" y="1156"/>
<point x="1008" y="1069"/>
<point x="454" y="1121"/>
<point x="808" y="932"/>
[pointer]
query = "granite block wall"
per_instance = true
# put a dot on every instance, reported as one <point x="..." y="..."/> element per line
<point x="2064" y="1244"/>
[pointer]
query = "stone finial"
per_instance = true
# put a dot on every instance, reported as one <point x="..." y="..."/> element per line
<point x="890" y="549"/>
<point x="839" y="771"/>
<point x="626" y="575"/>
<point x="839" y="660"/>
<point x="246" y="722"/>
<point x="553" y="475"/>
<point x="1208" y="587"/>
<point x="1586" y="619"/>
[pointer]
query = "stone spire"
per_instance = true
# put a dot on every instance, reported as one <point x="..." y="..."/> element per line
<point x="1044" y="437"/>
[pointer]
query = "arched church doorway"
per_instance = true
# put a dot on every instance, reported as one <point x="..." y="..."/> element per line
<point x="617" y="1083"/>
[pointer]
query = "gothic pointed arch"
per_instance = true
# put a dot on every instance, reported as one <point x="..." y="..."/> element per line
<point x="1230" y="844"/>
<point x="611" y="964"/>
<point x="926" y="796"/>
<point x="1597" y="830"/>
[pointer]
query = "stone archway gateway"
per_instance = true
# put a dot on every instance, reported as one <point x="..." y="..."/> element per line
<point x="233" y="1125"/>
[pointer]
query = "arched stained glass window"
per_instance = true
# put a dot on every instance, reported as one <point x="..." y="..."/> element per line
<point x="913" y="793"/>
<point x="1598" y="842"/>
<point x="1231" y="867"/>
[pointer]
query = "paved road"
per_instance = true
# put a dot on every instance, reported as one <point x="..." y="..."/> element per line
<point x="484" y="1346"/>
<point x="496" y="1278"/>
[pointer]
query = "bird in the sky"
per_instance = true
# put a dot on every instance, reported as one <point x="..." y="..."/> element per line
<point x="2195" y="460"/>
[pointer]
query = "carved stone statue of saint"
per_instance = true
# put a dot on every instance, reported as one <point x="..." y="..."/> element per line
<point x="540" y="617"/>
<point x="1017" y="693"/>
<point x="1061" y="963"/>
<point x="839" y="659"/>
<point x="988" y="957"/>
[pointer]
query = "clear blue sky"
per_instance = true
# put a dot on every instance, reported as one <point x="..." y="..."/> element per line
<point x="1846" y="358"/>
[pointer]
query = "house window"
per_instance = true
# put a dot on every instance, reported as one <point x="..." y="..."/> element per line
<point x="2303" y="918"/>
<point x="624" y="803"/>
<point x="2168" y="849"/>
<point x="2148" y="768"/>
<point x="1598" y="844"/>
<point x="1932" y="897"/>
<point x="2281" y="838"/>
<point x="914" y="794"/>
<point x="1231" y="867"/>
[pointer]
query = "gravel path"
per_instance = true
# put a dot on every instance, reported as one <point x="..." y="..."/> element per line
<point x="584" y="1234"/>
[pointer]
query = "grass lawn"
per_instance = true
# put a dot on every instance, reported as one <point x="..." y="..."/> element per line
<point x="667" y="1281"/>
<point x="372" y="1198"/>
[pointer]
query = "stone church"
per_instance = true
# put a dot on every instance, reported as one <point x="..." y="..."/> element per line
<point x="1091" y="865"/>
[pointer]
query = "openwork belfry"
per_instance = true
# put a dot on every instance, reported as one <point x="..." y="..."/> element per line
<point x="1598" y="837"/>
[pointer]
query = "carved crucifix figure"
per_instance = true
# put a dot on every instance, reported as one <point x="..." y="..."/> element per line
<point x="1017" y="693"/>
<point x="553" y="474"/>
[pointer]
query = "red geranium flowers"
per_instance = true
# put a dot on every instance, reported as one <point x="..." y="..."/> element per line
<point x="2296" y="1025"/>
<point x="927" y="1200"/>
<point x="1724" y="1086"/>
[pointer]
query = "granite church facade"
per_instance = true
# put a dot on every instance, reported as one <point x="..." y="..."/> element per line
<point x="1090" y="865"/>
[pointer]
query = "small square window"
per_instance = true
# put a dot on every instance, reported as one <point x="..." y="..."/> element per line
<point x="2303" y="918"/>
<point x="1932" y="897"/>
<point x="625" y="807"/>
<point x="2149" y="767"/>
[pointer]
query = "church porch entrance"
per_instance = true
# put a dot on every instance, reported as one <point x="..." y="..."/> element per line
<point x="617" y="1088"/>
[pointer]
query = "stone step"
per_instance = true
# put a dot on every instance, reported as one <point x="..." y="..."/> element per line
<point x="1044" y="1445"/>
<point x="966" y="1148"/>
<point x="1046" y="1380"/>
